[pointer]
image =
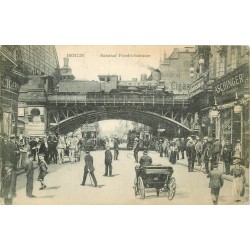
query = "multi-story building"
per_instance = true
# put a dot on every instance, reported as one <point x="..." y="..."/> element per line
<point x="41" y="64"/>
<point x="219" y="90"/>
<point x="13" y="74"/>
<point x="174" y="70"/>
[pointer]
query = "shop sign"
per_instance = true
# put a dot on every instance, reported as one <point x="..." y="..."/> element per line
<point x="196" y="87"/>
<point x="8" y="84"/>
<point x="227" y="86"/>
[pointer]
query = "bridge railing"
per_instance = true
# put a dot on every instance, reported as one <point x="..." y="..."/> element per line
<point x="116" y="98"/>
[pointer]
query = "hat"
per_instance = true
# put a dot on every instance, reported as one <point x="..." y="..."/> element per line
<point x="8" y="164"/>
<point x="145" y="152"/>
<point x="236" y="159"/>
<point x="87" y="151"/>
<point x="12" y="136"/>
<point x="215" y="165"/>
<point x="205" y="138"/>
<point x="238" y="140"/>
<point x="160" y="140"/>
<point x="189" y="138"/>
<point x="136" y="139"/>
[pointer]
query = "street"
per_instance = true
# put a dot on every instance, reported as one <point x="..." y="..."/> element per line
<point x="63" y="185"/>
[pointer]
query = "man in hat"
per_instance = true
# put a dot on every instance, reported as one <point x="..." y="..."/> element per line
<point x="216" y="151"/>
<point x="207" y="155"/>
<point x="108" y="162"/>
<point x="89" y="168"/>
<point x="136" y="149"/>
<point x="29" y="172"/>
<point x="215" y="183"/>
<point x="116" y="148"/>
<point x="33" y="144"/>
<point x="6" y="184"/>
<point x="226" y="153"/>
<point x="239" y="179"/>
<point x="198" y="150"/>
<point x="145" y="160"/>
<point x="190" y="152"/>
<point x="161" y="148"/>
<point x="13" y="156"/>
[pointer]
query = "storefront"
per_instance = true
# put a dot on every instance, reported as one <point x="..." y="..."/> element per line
<point x="232" y="95"/>
<point x="9" y="103"/>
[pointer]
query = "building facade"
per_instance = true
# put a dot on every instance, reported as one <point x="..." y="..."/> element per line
<point x="13" y="74"/>
<point x="219" y="91"/>
<point x="43" y="72"/>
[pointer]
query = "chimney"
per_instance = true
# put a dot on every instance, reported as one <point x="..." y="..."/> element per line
<point x="66" y="62"/>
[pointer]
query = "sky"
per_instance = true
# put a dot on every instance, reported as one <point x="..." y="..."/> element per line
<point x="88" y="62"/>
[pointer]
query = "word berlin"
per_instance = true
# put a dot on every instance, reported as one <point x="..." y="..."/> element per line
<point x="229" y="83"/>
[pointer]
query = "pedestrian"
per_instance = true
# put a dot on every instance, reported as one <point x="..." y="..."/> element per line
<point x="239" y="179"/>
<point x="33" y="144"/>
<point x="191" y="153"/>
<point x="216" y="151"/>
<point x="89" y="168"/>
<point x="238" y="149"/>
<point x="6" y="184"/>
<point x="207" y="156"/>
<point x="116" y="148"/>
<point x="226" y="154"/>
<point x="108" y="162"/>
<point x="13" y="156"/>
<point x="216" y="182"/>
<point x="173" y="150"/>
<point x="72" y="149"/>
<point x="29" y="172"/>
<point x="42" y="167"/>
<point x="60" y="149"/>
<point x="182" y="147"/>
<point x="136" y="149"/>
<point x="44" y="149"/>
<point x="160" y="148"/>
<point x="198" y="151"/>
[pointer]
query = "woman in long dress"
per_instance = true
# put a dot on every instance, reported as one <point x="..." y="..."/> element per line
<point x="239" y="179"/>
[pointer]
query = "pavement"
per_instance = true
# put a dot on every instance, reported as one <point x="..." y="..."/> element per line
<point x="220" y="167"/>
<point x="184" y="163"/>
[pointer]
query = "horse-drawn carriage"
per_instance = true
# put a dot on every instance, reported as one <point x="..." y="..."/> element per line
<point x="154" y="176"/>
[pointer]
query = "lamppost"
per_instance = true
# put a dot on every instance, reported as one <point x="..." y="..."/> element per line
<point x="214" y="114"/>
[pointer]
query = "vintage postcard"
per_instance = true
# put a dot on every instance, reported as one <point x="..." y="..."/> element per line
<point x="124" y="125"/>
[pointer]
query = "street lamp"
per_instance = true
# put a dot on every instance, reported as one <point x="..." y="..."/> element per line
<point x="191" y="71"/>
<point x="237" y="106"/>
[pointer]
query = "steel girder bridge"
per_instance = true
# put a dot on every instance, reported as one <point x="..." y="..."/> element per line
<point x="67" y="112"/>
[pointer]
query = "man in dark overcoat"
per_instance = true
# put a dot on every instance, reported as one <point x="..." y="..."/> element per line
<point x="6" y="183"/>
<point x="215" y="183"/>
<point x="227" y="153"/>
<point x="116" y="148"/>
<point x="89" y="168"/>
<point x="108" y="162"/>
<point x="13" y="156"/>
<point x="29" y="172"/>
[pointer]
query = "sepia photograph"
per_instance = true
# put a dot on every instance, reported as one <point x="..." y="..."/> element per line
<point x="124" y="125"/>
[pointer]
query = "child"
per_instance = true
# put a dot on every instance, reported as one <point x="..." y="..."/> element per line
<point x="42" y="171"/>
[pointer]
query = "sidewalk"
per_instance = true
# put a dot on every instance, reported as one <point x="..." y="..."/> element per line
<point x="220" y="166"/>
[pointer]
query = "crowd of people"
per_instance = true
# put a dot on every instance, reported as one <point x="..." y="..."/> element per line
<point x="205" y="152"/>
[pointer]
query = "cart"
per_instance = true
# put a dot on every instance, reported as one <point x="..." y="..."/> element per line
<point x="154" y="176"/>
